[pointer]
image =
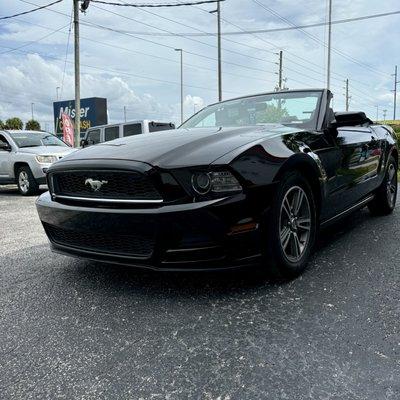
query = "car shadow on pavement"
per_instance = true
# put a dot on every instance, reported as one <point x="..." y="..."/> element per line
<point x="12" y="191"/>
<point x="122" y="278"/>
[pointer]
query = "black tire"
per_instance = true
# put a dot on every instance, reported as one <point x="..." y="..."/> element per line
<point x="27" y="184"/>
<point x="277" y="222"/>
<point x="386" y="196"/>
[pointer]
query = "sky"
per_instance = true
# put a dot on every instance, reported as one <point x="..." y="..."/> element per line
<point x="128" y="56"/>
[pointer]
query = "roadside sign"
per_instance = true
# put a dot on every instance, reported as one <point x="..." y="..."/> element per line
<point x="68" y="129"/>
<point x="93" y="112"/>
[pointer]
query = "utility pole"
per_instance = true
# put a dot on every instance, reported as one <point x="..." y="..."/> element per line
<point x="125" y="113"/>
<point x="280" y="70"/>
<point x="384" y="115"/>
<point x="395" y="92"/>
<point x="218" y="12"/>
<point x="328" y="72"/>
<point x="57" y="89"/>
<point x="181" y="51"/>
<point x="347" y="95"/>
<point x="32" y="104"/>
<point x="377" y="113"/>
<point x="77" y="76"/>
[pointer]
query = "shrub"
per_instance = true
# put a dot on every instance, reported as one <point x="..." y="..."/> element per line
<point x="32" y="125"/>
<point x="1" y="124"/>
<point x="14" y="123"/>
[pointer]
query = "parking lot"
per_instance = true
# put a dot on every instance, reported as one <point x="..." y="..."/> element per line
<point x="78" y="330"/>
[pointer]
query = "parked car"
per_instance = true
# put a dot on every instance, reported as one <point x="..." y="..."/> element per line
<point x="25" y="157"/>
<point x="245" y="181"/>
<point x="105" y="133"/>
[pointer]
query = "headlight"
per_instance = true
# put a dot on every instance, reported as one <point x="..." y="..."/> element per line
<point x="201" y="183"/>
<point x="216" y="182"/>
<point x="46" y="159"/>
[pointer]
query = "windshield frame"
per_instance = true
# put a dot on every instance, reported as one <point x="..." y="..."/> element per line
<point x="319" y="107"/>
<point x="43" y="136"/>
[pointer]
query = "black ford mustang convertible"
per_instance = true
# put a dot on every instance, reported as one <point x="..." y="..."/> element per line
<point x="243" y="182"/>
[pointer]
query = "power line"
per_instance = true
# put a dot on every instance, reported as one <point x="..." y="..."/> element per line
<point x="282" y="29"/>
<point x="114" y="46"/>
<point x="316" y="39"/>
<point x="66" y="53"/>
<point x="286" y="51"/>
<point x="198" y="30"/>
<point x="161" y="29"/>
<point x="35" y="41"/>
<point x="159" y="5"/>
<point x="31" y="11"/>
<point x="93" y="25"/>
<point x="113" y="71"/>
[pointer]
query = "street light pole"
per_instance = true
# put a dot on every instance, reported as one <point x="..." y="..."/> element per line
<point x="328" y="72"/>
<point x="57" y="89"/>
<point x="181" y="51"/>
<point x="77" y="76"/>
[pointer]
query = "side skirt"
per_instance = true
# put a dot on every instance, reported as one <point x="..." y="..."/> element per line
<point x="348" y="211"/>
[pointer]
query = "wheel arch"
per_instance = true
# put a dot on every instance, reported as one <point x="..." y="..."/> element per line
<point x="310" y="170"/>
<point x="17" y="166"/>
<point x="394" y="152"/>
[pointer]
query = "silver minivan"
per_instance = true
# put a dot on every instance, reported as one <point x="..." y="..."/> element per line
<point x="105" y="133"/>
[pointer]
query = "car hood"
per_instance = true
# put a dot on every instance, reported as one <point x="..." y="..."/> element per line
<point x="47" y="150"/>
<point x="181" y="147"/>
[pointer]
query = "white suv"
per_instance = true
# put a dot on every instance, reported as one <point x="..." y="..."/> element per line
<point x="105" y="133"/>
<point x="25" y="157"/>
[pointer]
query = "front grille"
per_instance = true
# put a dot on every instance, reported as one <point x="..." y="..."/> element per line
<point x="140" y="246"/>
<point x="109" y="185"/>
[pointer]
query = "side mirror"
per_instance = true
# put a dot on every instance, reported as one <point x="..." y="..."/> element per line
<point x="5" y="146"/>
<point x="84" y="143"/>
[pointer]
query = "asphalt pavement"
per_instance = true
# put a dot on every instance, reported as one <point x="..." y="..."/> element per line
<point x="71" y="329"/>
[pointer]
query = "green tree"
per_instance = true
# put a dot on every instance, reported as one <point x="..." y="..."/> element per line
<point x="1" y="124"/>
<point x="32" y="125"/>
<point x="14" y="123"/>
<point x="272" y="114"/>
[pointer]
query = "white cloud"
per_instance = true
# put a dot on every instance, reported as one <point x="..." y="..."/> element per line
<point x="19" y="87"/>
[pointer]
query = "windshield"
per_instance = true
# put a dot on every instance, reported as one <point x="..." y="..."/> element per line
<point x="298" y="109"/>
<point x="36" y="139"/>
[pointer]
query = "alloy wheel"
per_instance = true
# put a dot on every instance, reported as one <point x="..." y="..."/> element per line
<point x="295" y="223"/>
<point x="23" y="181"/>
<point x="391" y="187"/>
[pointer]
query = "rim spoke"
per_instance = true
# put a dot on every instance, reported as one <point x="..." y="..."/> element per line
<point x="297" y="201"/>
<point x="285" y="237"/>
<point x="391" y="172"/>
<point x="286" y="206"/>
<point x="304" y="224"/>
<point x="296" y="245"/>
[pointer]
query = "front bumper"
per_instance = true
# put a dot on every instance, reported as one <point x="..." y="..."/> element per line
<point x="195" y="236"/>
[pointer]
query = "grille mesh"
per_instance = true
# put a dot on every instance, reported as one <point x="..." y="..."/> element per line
<point x="116" y="185"/>
<point x="128" y="245"/>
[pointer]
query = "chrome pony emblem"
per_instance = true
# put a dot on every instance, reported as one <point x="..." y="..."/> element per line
<point x="94" y="184"/>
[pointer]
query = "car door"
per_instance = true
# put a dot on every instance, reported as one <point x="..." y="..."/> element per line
<point x="5" y="161"/>
<point x="361" y="152"/>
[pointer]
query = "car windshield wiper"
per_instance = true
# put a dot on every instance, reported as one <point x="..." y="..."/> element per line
<point x="30" y="145"/>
